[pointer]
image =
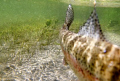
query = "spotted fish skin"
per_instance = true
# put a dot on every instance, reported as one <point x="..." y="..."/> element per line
<point x="91" y="57"/>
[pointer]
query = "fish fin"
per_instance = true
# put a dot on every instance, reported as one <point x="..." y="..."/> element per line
<point x="64" y="61"/>
<point x="92" y="27"/>
<point x="69" y="17"/>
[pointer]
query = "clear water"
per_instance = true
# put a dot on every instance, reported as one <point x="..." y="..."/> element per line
<point x="29" y="46"/>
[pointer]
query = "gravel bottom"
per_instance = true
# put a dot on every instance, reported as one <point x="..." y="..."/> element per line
<point x="45" y="65"/>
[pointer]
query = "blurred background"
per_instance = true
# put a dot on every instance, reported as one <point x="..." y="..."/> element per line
<point x="29" y="31"/>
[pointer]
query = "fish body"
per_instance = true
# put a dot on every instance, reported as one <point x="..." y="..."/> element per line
<point x="88" y="53"/>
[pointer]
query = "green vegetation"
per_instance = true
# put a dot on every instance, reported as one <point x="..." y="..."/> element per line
<point x="24" y="23"/>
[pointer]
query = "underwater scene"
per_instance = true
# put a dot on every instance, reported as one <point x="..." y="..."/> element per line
<point x="29" y="36"/>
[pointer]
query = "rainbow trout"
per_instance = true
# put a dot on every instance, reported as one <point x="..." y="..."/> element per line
<point x="88" y="53"/>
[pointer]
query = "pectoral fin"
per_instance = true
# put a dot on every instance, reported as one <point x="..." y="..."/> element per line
<point x="64" y="61"/>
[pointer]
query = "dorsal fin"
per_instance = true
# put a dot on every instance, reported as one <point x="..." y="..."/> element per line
<point x="92" y="28"/>
<point x="69" y="17"/>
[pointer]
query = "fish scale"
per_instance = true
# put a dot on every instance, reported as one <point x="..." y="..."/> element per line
<point x="87" y="52"/>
